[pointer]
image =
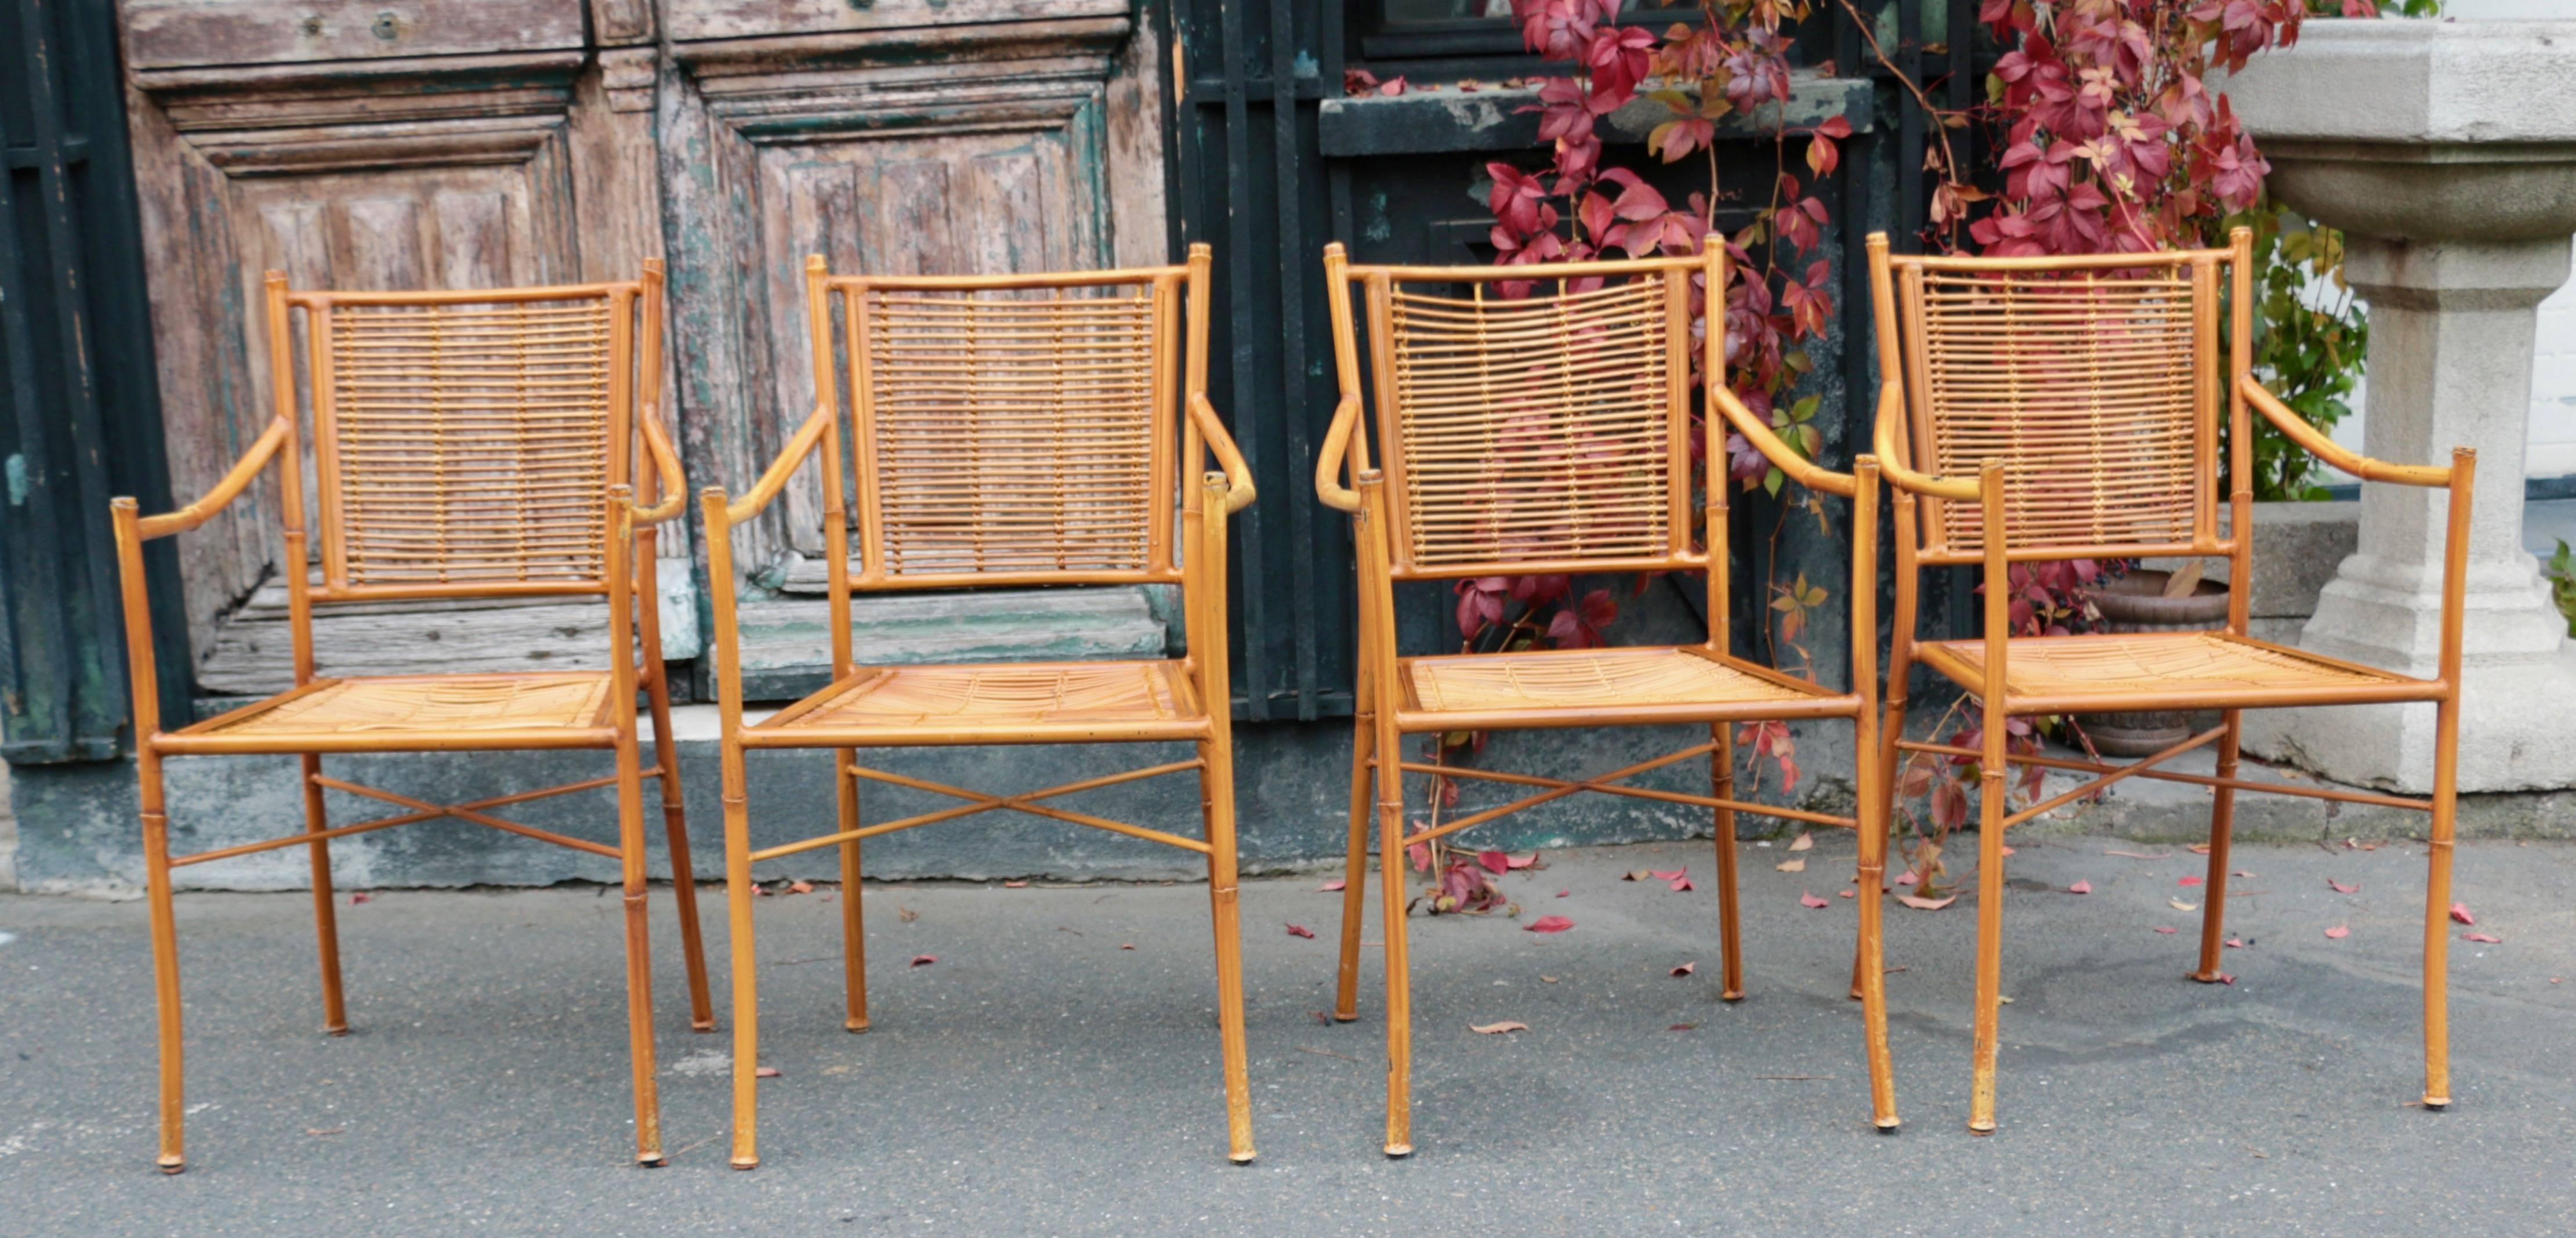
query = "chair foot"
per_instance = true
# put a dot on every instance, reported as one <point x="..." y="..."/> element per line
<point x="2212" y="977"/>
<point x="1734" y="995"/>
<point x="1339" y="1017"/>
<point x="855" y="1026"/>
<point x="650" y="1160"/>
<point x="1398" y="1151"/>
<point x="2437" y="1103"/>
<point x="1888" y="1126"/>
<point x="746" y="1162"/>
<point x="329" y="1030"/>
<point x="1985" y="1128"/>
<point x="172" y="1164"/>
<point x="1240" y="1158"/>
<point x="706" y="1026"/>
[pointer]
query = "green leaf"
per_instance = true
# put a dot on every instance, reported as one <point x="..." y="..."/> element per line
<point x="1771" y="482"/>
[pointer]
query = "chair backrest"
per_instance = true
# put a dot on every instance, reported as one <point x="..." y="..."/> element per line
<point x="464" y="442"/>
<point x="1542" y="433"/>
<point x="2096" y="380"/>
<point x="1020" y="429"/>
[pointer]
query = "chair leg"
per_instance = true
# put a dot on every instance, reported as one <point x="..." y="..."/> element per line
<point x="684" y="879"/>
<point x="165" y="965"/>
<point x="639" y="953"/>
<point x="1399" y="992"/>
<point x="854" y="940"/>
<point x="1346" y="987"/>
<point x="1891" y="728"/>
<point x="1990" y="923"/>
<point x="2437" y="904"/>
<point x="2222" y="824"/>
<point x="1721" y="784"/>
<point x="746" y="989"/>
<point x="326" y="917"/>
<point x="1216" y="791"/>
<point x="1871" y="812"/>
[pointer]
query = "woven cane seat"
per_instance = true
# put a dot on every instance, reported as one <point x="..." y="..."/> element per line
<point x="443" y="711"/>
<point x="1663" y="679"/>
<point x="1001" y="702"/>
<point x="2211" y="669"/>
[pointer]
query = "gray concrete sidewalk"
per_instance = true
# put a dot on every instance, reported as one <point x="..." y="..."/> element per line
<point x="1039" y="1078"/>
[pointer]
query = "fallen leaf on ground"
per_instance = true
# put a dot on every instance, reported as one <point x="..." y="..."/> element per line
<point x="2081" y="887"/>
<point x="2341" y="888"/>
<point x="2227" y="977"/>
<point x="1682" y="885"/>
<point x="924" y="960"/>
<point x="1926" y="904"/>
<point x="2198" y="848"/>
<point x="2008" y="850"/>
<point x="2166" y="929"/>
<point x="2488" y="938"/>
<point x="1126" y="945"/>
<point x="1638" y="874"/>
<point x="1792" y="866"/>
<point x="1685" y="969"/>
<point x="2242" y="873"/>
<point x="1849" y="893"/>
<point x="1671" y="874"/>
<point x="1494" y="861"/>
<point x="1497" y="1029"/>
<point x="1328" y="887"/>
<point x="906" y="914"/>
<point x="2179" y="905"/>
<point x="326" y="1130"/>
<point x="1015" y="885"/>
<point x="1547" y="980"/>
<point x="800" y="887"/>
<point x="2338" y="933"/>
<point x="1804" y="840"/>
<point x="1564" y="893"/>
<point x="2192" y="879"/>
<point x="1907" y="878"/>
<point x="2460" y="912"/>
<point x="2235" y="943"/>
<point x="1807" y="899"/>
<point x="359" y="897"/>
<point x="1300" y="930"/>
<point x="1550" y="924"/>
<point x="1522" y="861"/>
<point x="764" y="1072"/>
<point x="1682" y="1027"/>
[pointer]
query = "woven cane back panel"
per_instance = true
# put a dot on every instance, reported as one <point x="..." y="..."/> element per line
<point x="1014" y="430"/>
<point x="2082" y="385"/>
<point x="1533" y="430"/>
<point x="469" y="443"/>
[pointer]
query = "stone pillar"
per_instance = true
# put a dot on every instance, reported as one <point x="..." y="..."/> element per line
<point x="2451" y="328"/>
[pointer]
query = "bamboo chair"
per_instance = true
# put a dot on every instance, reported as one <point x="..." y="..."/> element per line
<point x="2083" y="395"/>
<point x="1008" y="430"/>
<point x="466" y="445"/>
<point x="1551" y="434"/>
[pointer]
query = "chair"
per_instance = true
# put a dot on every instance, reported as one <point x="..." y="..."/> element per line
<point x="1008" y="430"/>
<point x="1551" y="434"/>
<point x="2037" y="409"/>
<point x="473" y="444"/>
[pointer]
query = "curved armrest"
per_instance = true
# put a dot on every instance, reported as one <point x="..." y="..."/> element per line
<point x="1329" y="461"/>
<point x="666" y="468"/>
<point x="225" y="491"/>
<point x="775" y="478"/>
<point x="1891" y="403"/>
<point x="1238" y="475"/>
<point x="1800" y="469"/>
<point x="2289" y="422"/>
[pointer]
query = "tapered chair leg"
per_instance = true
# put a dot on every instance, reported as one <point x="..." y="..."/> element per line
<point x="326" y="917"/>
<point x="1399" y="984"/>
<point x="1891" y="728"/>
<point x="165" y="966"/>
<point x="854" y="932"/>
<point x="1216" y="786"/>
<point x="1990" y="926"/>
<point x="2222" y="825"/>
<point x="2437" y="902"/>
<point x="1721" y="785"/>
<point x="745" y="965"/>
<point x="675" y="827"/>
<point x="1346" y="986"/>
<point x="1872" y="983"/>
<point x="639" y="954"/>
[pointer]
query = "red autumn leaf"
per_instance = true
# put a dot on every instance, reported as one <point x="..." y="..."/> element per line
<point x="1550" y="924"/>
<point x="1807" y="899"/>
<point x="2460" y="912"/>
<point x="1683" y="883"/>
<point x="1420" y="854"/>
<point x="1015" y="885"/>
<point x="1300" y="930"/>
<point x="2338" y="933"/>
<point x="1685" y="969"/>
<point x="1907" y="878"/>
<point x="1670" y="875"/>
<point x="1850" y="893"/>
<point x="2235" y="943"/>
<point x="1494" y="861"/>
<point x="2081" y="887"/>
<point x="2489" y="938"/>
<point x="1926" y="904"/>
<point x="764" y="1072"/>
<point x="1522" y="861"/>
<point x="2191" y="880"/>
<point x="2341" y="888"/>
<point x="924" y="960"/>
<point x="1328" y="887"/>
<point x="800" y="887"/>
<point x="359" y="897"/>
<point x="2227" y="977"/>
<point x="1564" y="893"/>
<point x="2166" y="929"/>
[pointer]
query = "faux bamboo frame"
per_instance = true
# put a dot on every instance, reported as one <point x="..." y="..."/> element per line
<point x="1909" y="419"/>
<point x="599" y="365"/>
<point x="967" y="424"/>
<point x="1391" y="688"/>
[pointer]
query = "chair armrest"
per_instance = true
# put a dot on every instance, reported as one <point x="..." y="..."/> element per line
<point x="1800" y="469"/>
<point x="1891" y="462"/>
<point x="774" y="479"/>
<point x="2289" y="422"/>
<point x="225" y="491"/>
<point x="1330" y="459"/>
<point x="1238" y="475"/>
<point x="666" y="468"/>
